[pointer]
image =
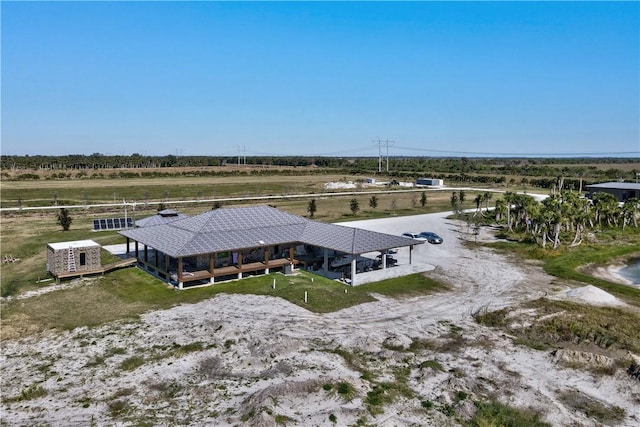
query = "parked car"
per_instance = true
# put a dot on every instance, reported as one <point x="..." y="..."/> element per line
<point x="414" y="236"/>
<point x="431" y="237"/>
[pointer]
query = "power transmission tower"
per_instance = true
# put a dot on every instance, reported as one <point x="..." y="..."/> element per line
<point x="380" y="142"/>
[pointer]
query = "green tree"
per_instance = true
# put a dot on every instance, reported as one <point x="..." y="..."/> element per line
<point x="354" y="206"/>
<point x="312" y="207"/>
<point x="373" y="202"/>
<point x="423" y="199"/>
<point x="64" y="219"/>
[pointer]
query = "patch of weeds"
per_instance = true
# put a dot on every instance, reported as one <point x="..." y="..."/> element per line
<point x="123" y="392"/>
<point x="333" y="418"/>
<point x="457" y="372"/>
<point x="497" y="414"/>
<point x="131" y="363"/>
<point x="114" y="350"/>
<point x="85" y="402"/>
<point x="449" y="412"/>
<point x="34" y="391"/>
<point x="433" y="364"/>
<point x="592" y="408"/>
<point x="228" y="343"/>
<point x="393" y="347"/>
<point x="118" y="408"/>
<point x="427" y="404"/>
<point x="346" y="390"/>
<point x="418" y="344"/>
<point x="283" y="420"/>
<point x="327" y="386"/>
<point x="382" y="394"/>
<point x="180" y="350"/>
<point x="247" y="416"/>
<point x="461" y="395"/>
<point x="96" y="361"/>
<point x="492" y="319"/>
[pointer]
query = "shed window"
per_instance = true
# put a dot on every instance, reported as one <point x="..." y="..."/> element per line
<point x="83" y="258"/>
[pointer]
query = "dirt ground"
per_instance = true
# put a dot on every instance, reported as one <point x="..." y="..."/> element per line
<point x="257" y="360"/>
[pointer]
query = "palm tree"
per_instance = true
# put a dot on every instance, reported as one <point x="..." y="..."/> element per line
<point x="486" y="197"/>
<point x="630" y="211"/>
<point x="478" y="202"/>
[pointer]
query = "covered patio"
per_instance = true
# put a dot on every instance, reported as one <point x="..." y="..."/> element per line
<point x="231" y="243"/>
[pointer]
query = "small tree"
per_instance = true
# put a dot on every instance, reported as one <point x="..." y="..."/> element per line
<point x="312" y="208"/>
<point x="161" y="207"/>
<point x="423" y="199"/>
<point x="373" y="202"/>
<point x="354" y="205"/>
<point x="64" y="219"/>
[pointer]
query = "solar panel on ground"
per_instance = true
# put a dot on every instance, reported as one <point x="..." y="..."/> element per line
<point x="112" y="224"/>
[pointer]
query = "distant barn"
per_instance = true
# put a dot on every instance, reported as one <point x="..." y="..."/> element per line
<point x="430" y="181"/>
<point x="621" y="190"/>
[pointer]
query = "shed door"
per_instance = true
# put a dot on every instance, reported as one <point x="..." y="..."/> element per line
<point x="83" y="258"/>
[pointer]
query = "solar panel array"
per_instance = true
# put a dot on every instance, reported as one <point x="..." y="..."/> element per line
<point x="112" y="224"/>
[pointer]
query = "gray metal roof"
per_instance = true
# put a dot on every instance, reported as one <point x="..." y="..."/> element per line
<point x="163" y="217"/>
<point x="616" y="185"/>
<point x="230" y="229"/>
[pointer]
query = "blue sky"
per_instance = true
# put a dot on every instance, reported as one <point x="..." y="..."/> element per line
<point x="293" y="78"/>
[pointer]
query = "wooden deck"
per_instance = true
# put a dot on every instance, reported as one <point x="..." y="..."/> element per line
<point x="104" y="269"/>
<point x="188" y="276"/>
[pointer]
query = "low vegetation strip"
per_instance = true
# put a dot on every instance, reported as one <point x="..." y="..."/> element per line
<point x="594" y="334"/>
<point x="126" y="294"/>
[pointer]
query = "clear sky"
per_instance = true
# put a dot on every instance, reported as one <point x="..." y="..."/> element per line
<point x="293" y="78"/>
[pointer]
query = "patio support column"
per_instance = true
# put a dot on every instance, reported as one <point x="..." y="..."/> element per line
<point x="266" y="261"/>
<point x="157" y="261"/>
<point x="167" y="263"/>
<point x="146" y="253"/>
<point x="137" y="252"/>
<point x="384" y="260"/>
<point x="180" y="273"/>
<point x="211" y="267"/>
<point x="325" y="263"/>
<point x="292" y="253"/>
<point x="127" y="253"/>
<point x="353" y="270"/>
<point x="410" y="254"/>
<point x="239" y="265"/>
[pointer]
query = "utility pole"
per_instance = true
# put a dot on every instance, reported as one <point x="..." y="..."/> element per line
<point x="380" y="142"/>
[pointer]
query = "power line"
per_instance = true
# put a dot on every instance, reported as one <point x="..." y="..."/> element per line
<point x="486" y="153"/>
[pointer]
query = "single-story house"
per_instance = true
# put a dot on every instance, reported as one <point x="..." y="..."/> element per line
<point x="621" y="190"/>
<point x="229" y="242"/>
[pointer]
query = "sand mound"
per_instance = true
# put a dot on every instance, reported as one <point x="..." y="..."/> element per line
<point x="593" y="295"/>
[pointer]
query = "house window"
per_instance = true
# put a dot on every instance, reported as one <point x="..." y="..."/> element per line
<point x="83" y="258"/>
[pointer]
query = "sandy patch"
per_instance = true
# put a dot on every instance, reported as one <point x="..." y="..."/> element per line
<point x="253" y="360"/>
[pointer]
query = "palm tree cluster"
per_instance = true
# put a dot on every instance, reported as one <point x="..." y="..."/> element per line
<point x="564" y="215"/>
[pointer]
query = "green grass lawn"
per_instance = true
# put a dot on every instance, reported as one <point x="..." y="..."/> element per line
<point x="128" y="293"/>
<point x="564" y="263"/>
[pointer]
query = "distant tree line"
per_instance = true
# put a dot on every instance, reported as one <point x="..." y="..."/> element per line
<point x="539" y="172"/>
